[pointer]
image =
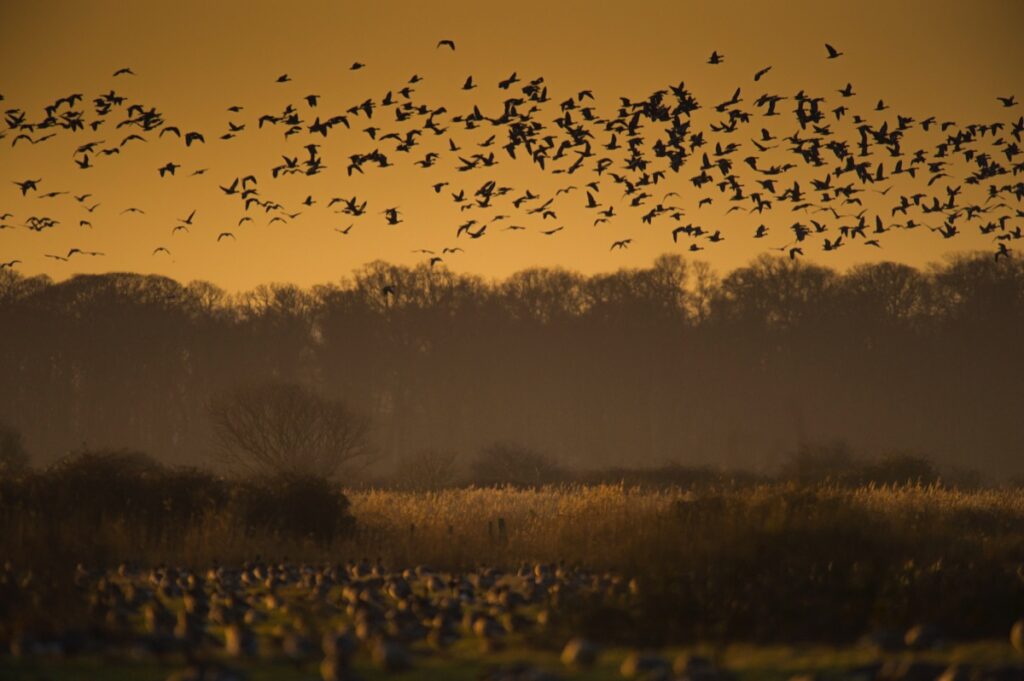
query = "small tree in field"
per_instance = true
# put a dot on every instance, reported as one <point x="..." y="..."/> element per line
<point x="288" y="429"/>
<point x="428" y="469"/>
<point x="509" y="463"/>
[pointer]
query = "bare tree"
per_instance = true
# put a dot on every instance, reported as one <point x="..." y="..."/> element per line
<point x="286" y="428"/>
<point x="428" y="469"/>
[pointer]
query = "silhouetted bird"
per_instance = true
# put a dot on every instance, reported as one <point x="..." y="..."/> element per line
<point x="27" y="185"/>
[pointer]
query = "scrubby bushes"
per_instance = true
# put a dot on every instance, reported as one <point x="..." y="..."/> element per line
<point x="835" y="463"/>
<point x="506" y="463"/>
<point x="428" y="469"/>
<point x="90" y="501"/>
<point x="292" y="506"/>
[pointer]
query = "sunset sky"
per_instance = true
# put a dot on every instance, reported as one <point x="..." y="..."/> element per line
<point x="192" y="60"/>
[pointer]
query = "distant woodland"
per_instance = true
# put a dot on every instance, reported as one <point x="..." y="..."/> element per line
<point x="644" y="367"/>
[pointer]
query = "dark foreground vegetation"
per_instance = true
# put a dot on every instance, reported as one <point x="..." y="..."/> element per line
<point x="155" y="568"/>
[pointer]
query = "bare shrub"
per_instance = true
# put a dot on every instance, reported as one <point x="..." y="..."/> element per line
<point x="507" y="463"/>
<point x="288" y="429"/>
<point x="428" y="469"/>
<point x="900" y="468"/>
<point x="818" y="462"/>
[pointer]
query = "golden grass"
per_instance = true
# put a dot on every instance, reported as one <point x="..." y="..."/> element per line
<point x="615" y="525"/>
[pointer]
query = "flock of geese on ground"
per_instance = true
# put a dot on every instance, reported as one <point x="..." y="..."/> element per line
<point x="403" y="622"/>
<point x="830" y="164"/>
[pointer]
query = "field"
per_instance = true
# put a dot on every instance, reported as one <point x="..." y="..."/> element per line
<point x="764" y="581"/>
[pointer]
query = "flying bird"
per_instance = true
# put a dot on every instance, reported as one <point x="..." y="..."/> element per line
<point x="623" y="244"/>
<point x="446" y="43"/>
<point x="833" y="53"/>
<point x="28" y="185"/>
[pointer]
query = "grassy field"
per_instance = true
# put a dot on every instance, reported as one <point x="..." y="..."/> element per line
<point x="766" y="581"/>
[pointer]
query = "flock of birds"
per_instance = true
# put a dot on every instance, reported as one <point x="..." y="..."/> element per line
<point x="349" y="614"/>
<point x="841" y="175"/>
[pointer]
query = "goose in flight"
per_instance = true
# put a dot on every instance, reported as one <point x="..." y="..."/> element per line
<point x="833" y="53"/>
<point x="28" y="185"/>
<point x="446" y="43"/>
<point x="622" y="245"/>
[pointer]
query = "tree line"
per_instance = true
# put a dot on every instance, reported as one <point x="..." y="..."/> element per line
<point x="639" y="367"/>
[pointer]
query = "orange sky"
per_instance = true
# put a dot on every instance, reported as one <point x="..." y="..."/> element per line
<point x="194" y="59"/>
